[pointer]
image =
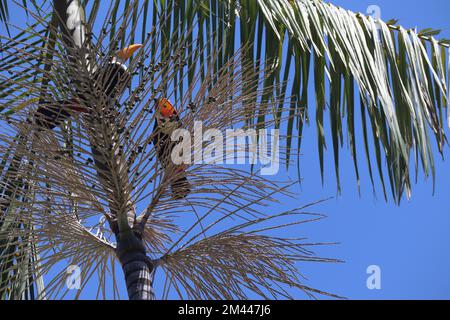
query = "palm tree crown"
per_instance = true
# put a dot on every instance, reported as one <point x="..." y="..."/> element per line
<point x="92" y="191"/>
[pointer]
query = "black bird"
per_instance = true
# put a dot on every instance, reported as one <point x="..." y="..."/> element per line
<point x="115" y="74"/>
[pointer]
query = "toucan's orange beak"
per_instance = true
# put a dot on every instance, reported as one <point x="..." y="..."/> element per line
<point x="127" y="52"/>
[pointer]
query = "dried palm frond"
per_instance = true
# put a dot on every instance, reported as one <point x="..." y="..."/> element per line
<point x="240" y="261"/>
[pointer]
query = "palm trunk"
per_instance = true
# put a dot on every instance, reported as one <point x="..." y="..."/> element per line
<point x="137" y="267"/>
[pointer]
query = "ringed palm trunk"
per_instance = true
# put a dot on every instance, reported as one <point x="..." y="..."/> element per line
<point x="136" y="266"/>
<point x="111" y="169"/>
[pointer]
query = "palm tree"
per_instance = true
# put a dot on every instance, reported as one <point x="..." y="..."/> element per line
<point x="402" y="83"/>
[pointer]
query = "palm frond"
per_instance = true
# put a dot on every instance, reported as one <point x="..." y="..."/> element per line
<point x="229" y="265"/>
<point x="402" y="87"/>
<point x="4" y="12"/>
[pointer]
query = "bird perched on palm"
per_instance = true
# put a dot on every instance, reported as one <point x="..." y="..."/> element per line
<point x="167" y="121"/>
<point x="108" y="79"/>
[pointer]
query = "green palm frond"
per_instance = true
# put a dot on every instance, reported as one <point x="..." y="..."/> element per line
<point x="401" y="87"/>
<point x="4" y="12"/>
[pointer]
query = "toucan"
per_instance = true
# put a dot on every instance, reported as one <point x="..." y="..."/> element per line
<point x="168" y="120"/>
<point x="115" y="74"/>
<point x="109" y="78"/>
<point x="49" y="115"/>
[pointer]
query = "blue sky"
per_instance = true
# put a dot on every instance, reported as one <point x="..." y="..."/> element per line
<point x="410" y="242"/>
